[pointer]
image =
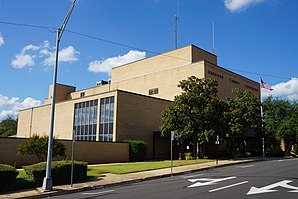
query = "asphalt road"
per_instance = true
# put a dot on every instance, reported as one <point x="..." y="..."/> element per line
<point x="266" y="180"/>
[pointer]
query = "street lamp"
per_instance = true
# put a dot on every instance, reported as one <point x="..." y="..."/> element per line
<point x="47" y="181"/>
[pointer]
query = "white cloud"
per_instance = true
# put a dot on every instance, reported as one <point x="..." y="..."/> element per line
<point x="45" y="53"/>
<point x="106" y="65"/>
<point x="25" y="58"/>
<point x="30" y="47"/>
<point x="1" y="40"/>
<point x="11" y="106"/>
<point x="68" y="54"/>
<point x="288" y="90"/>
<point x="22" y="60"/>
<point x="239" y="5"/>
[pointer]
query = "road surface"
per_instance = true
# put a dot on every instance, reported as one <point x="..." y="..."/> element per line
<point x="265" y="180"/>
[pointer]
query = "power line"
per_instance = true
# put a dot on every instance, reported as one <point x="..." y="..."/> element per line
<point x="50" y="29"/>
<point x="53" y="30"/>
<point x="260" y="74"/>
<point x="124" y="45"/>
<point x="88" y="36"/>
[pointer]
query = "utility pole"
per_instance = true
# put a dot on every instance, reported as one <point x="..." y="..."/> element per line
<point x="47" y="181"/>
<point x="262" y="122"/>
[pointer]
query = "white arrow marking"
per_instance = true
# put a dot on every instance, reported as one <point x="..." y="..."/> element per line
<point x="207" y="181"/>
<point x="225" y="187"/>
<point x="269" y="188"/>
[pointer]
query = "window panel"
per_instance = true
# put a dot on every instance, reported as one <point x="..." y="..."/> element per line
<point x="106" y="119"/>
<point x="85" y="120"/>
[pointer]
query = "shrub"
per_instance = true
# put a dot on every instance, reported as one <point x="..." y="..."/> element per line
<point x="274" y="151"/>
<point x="60" y="172"/>
<point x="137" y="150"/>
<point x="38" y="146"/>
<point x="188" y="156"/>
<point x="8" y="176"/>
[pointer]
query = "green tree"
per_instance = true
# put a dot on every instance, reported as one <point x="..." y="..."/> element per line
<point x="38" y="146"/>
<point x="243" y="113"/>
<point x="280" y="121"/>
<point x="197" y="113"/>
<point x="8" y="127"/>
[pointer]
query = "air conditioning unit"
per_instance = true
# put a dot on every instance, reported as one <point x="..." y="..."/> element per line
<point x="101" y="82"/>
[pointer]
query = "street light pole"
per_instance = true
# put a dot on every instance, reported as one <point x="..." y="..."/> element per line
<point x="47" y="181"/>
<point x="172" y="138"/>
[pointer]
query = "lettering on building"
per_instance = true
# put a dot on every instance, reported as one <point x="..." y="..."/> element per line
<point x="251" y="88"/>
<point x="215" y="74"/>
<point x="234" y="81"/>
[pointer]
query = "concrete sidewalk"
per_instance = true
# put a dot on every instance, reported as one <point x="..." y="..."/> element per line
<point x="113" y="179"/>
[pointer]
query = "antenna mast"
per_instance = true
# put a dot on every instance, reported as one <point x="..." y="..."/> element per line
<point x="213" y="42"/>
<point x="176" y="21"/>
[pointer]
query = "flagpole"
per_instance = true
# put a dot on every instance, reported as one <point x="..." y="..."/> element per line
<point x="263" y="139"/>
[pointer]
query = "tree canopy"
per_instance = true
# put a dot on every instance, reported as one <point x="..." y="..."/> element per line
<point x="38" y="146"/>
<point x="243" y="112"/>
<point x="197" y="113"/>
<point x="280" y="121"/>
<point x="8" y="127"/>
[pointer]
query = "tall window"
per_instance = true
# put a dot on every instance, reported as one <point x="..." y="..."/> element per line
<point x="85" y="120"/>
<point x="106" y="119"/>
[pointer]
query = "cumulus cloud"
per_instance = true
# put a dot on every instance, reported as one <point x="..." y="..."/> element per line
<point x="239" y="5"/>
<point x="11" y="106"/>
<point x="25" y="58"/>
<point x="106" y="65"/>
<point x="68" y="54"/>
<point x="1" y="40"/>
<point x="287" y="90"/>
<point x="22" y="60"/>
<point x="45" y="53"/>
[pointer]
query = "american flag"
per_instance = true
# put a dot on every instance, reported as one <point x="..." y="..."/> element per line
<point x="264" y="85"/>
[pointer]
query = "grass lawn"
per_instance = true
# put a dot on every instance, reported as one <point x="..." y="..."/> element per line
<point x="138" y="166"/>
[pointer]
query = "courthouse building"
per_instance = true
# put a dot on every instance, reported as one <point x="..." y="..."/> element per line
<point x="129" y="106"/>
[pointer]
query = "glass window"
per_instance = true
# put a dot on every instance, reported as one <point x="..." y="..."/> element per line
<point x="85" y="120"/>
<point x="106" y="119"/>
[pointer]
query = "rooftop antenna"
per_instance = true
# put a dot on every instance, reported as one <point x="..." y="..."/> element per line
<point x="176" y="21"/>
<point x="213" y="42"/>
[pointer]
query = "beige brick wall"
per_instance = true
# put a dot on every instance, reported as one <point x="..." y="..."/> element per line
<point x="199" y="54"/>
<point x="137" y="117"/>
<point x="229" y="81"/>
<point x="37" y="120"/>
<point x="93" y="91"/>
<point x="91" y="152"/>
<point x="164" y="61"/>
<point x="62" y="93"/>
<point x="34" y="121"/>
<point x="166" y="81"/>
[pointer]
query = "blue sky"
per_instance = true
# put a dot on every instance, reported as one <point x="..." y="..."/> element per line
<point x="255" y="38"/>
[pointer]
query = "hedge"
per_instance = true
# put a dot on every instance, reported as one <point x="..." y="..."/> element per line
<point x="137" y="150"/>
<point x="60" y="172"/>
<point x="8" y="175"/>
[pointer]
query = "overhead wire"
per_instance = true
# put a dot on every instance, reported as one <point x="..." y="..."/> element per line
<point x="53" y="30"/>
<point x="50" y="29"/>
